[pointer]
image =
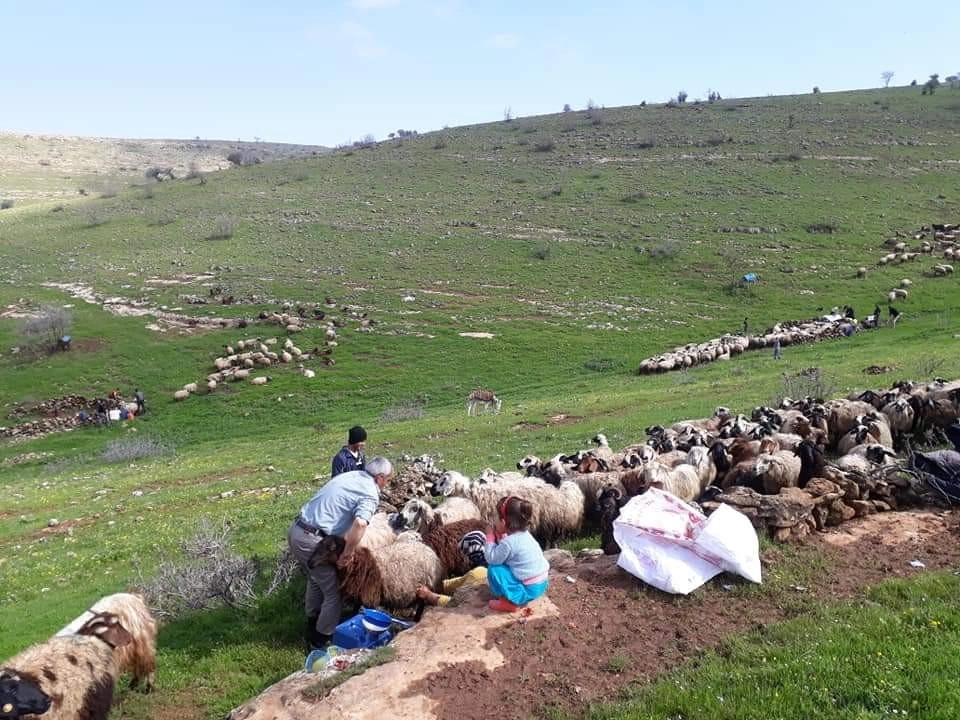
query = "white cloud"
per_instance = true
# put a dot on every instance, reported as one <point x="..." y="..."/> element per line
<point x="372" y="4"/>
<point x="361" y="41"/>
<point x="505" y="41"/>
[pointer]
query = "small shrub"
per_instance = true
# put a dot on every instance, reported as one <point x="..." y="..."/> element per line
<point x="408" y="410"/>
<point x="816" y="90"/>
<point x="645" y="144"/>
<point x="43" y="329"/>
<point x="716" y="140"/>
<point x="519" y="180"/>
<point x="128" y="449"/>
<point x="665" y="248"/>
<point x="440" y="144"/>
<point x="822" y="228"/>
<point x="617" y="664"/>
<point x="544" y="145"/>
<point x="57" y="208"/>
<point x="928" y="366"/>
<point x="541" y="253"/>
<point x="223" y="227"/>
<point x="634" y="197"/>
<point x="567" y="108"/>
<point x="208" y="574"/>
<point x="240" y="158"/>
<point x="92" y="217"/>
<point x="808" y="382"/>
<point x="6" y="204"/>
<point x="530" y="129"/>
<point x="602" y="364"/>
<point x="165" y="218"/>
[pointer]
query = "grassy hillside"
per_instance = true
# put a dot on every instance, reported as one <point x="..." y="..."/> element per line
<point x="583" y="242"/>
<point x="51" y="167"/>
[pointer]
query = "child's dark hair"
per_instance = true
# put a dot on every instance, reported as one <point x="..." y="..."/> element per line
<point x="515" y="512"/>
<point x="327" y="551"/>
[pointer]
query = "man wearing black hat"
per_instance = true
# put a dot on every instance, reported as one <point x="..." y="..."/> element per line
<point x="350" y="456"/>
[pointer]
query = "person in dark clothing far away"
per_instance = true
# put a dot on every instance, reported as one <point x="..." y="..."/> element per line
<point x="141" y="401"/>
<point x="351" y="455"/>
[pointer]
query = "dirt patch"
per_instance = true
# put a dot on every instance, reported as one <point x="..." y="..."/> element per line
<point x="528" y="426"/>
<point x="88" y="345"/>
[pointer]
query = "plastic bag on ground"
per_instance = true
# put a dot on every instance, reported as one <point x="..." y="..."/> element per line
<point x="670" y="545"/>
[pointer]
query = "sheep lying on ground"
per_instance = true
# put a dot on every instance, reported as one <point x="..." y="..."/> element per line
<point x="139" y="657"/>
<point x="76" y="672"/>
<point x="779" y="470"/>
<point x="389" y="576"/>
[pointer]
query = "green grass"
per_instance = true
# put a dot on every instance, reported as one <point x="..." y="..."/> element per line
<point x="889" y="655"/>
<point x="575" y="286"/>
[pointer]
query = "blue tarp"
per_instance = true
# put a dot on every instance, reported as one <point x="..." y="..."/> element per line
<point x="750" y="277"/>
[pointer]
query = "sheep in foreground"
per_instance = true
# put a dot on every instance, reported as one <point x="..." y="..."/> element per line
<point x="380" y="532"/>
<point x="181" y="395"/>
<point x="389" y="576"/>
<point x="139" y="657"/>
<point x="76" y="672"/>
<point x="682" y="480"/>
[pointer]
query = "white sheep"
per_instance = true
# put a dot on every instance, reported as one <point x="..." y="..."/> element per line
<point x="190" y="387"/>
<point x="260" y="380"/>
<point x="557" y="511"/>
<point x="682" y="480"/>
<point x="181" y="395"/>
<point x="778" y="470"/>
<point x="76" y="672"/>
<point x="417" y="514"/>
<point x="379" y="532"/>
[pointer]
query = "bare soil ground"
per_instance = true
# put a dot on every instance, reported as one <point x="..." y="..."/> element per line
<point x="592" y="637"/>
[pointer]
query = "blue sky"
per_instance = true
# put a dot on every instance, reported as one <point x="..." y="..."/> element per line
<point x="329" y="72"/>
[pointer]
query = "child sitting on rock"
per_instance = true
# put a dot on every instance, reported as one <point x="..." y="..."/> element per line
<point x="471" y="545"/>
<point x="517" y="570"/>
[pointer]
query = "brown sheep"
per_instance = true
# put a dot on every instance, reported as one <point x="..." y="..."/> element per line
<point x="445" y="542"/>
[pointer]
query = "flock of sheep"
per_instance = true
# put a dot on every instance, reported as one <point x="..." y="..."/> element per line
<point x="696" y="460"/>
<point x="940" y="238"/>
<point x="240" y="362"/>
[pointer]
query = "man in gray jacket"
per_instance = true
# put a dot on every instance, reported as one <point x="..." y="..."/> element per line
<point x="342" y="507"/>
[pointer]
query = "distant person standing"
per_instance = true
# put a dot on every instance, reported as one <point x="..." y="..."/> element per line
<point x="746" y="327"/>
<point x="141" y="401"/>
<point x="351" y="455"/>
<point x="777" y="352"/>
<point x="894" y="315"/>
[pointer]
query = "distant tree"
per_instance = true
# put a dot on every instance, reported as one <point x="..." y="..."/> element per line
<point x="713" y="96"/>
<point x="44" y="329"/>
<point x="886" y="76"/>
<point x="816" y="89"/>
<point x="913" y="83"/>
<point x="591" y="105"/>
<point x="159" y="173"/>
<point x="681" y="97"/>
<point x="566" y="107"/>
<point x="953" y="80"/>
<point x="930" y="85"/>
<point x="238" y="158"/>
<point x="507" y="114"/>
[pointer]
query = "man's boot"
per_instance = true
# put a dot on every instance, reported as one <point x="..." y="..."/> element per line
<point x="315" y="640"/>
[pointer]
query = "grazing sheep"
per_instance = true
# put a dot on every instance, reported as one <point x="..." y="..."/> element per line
<point x="181" y="395"/>
<point x="906" y="282"/>
<point x="139" y="657"/>
<point x="190" y="387"/>
<point x="77" y="672"/>
<point x="260" y="380"/>
<point x="211" y="385"/>
<point x="389" y="576"/>
<point x="842" y="416"/>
